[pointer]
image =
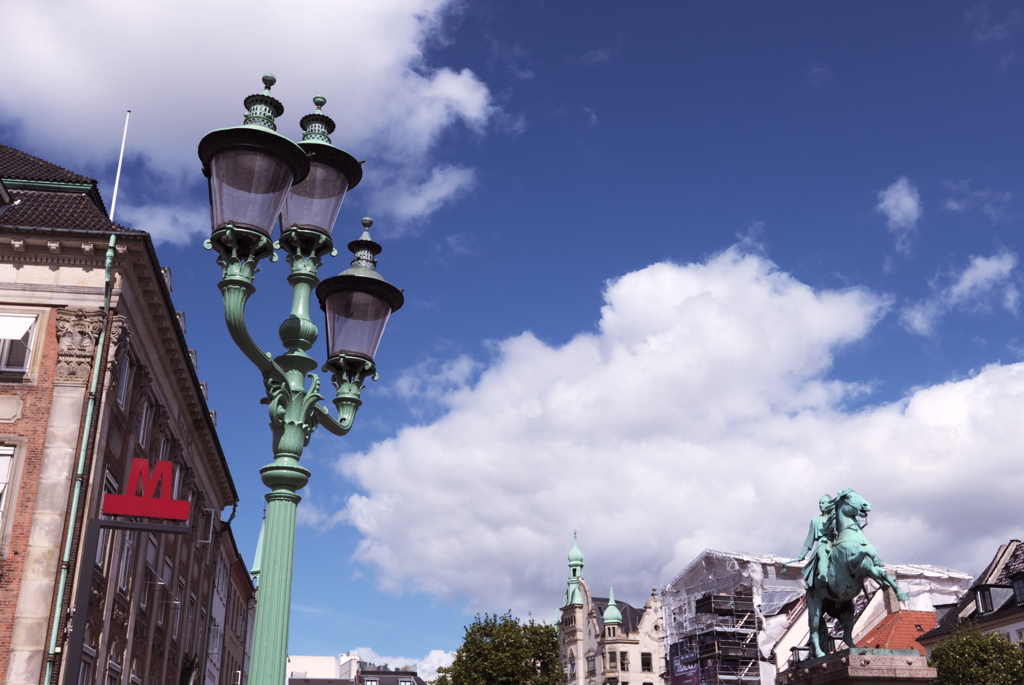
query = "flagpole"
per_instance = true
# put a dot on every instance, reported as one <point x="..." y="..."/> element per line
<point x="117" y="179"/>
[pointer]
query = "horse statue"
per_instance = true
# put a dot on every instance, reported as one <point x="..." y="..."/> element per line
<point x="851" y="559"/>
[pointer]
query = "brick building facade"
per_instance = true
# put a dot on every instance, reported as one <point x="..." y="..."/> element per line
<point x="62" y="447"/>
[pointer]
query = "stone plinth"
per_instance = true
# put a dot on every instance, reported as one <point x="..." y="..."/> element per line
<point x="861" y="666"/>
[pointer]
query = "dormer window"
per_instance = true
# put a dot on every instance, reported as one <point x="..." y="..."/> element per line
<point x="984" y="600"/>
<point x="1018" y="590"/>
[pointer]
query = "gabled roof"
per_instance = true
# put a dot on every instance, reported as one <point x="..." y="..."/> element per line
<point x="1007" y="562"/>
<point x="15" y="164"/>
<point x="899" y="630"/>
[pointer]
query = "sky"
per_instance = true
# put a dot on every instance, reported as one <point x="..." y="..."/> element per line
<point x="672" y="271"/>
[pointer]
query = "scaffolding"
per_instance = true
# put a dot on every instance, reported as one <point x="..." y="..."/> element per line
<point x="721" y="646"/>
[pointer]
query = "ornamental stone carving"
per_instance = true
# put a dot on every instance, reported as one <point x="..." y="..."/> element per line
<point x="77" y="334"/>
<point x="120" y="334"/>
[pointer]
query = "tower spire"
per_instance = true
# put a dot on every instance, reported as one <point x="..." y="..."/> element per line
<point x="572" y="593"/>
<point x="612" y="613"/>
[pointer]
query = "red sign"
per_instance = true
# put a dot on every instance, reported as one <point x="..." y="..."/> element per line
<point x="132" y="503"/>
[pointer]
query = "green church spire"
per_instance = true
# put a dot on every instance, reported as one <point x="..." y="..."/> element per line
<point x="612" y="613"/>
<point x="573" y="595"/>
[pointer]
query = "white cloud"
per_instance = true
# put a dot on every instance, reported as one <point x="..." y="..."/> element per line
<point x="175" y="224"/>
<point x="991" y="203"/>
<point x="408" y="199"/>
<point x="972" y="288"/>
<point x="426" y="667"/>
<point x="987" y="28"/>
<point x="594" y="57"/>
<point x="701" y="413"/>
<point x="180" y="81"/>
<point x="901" y="205"/>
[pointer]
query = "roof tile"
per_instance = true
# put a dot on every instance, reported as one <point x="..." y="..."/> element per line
<point x="900" y="630"/>
<point x="15" y="164"/>
<point x="42" y="209"/>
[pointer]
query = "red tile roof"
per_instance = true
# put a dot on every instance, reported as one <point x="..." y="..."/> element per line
<point x="900" y="630"/>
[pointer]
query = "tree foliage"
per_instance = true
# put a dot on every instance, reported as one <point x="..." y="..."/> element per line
<point x="499" y="650"/>
<point x="970" y="657"/>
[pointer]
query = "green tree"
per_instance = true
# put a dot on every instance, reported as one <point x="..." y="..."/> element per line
<point x="970" y="657"/>
<point x="499" y="650"/>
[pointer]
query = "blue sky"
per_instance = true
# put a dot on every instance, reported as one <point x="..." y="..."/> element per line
<point x="672" y="270"/>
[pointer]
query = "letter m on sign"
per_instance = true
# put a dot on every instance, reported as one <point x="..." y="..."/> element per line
<point x="139" y="498"/>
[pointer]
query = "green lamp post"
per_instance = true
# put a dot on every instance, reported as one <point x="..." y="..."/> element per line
<point x="255" y="176"/>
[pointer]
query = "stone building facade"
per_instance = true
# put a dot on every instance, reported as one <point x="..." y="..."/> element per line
<point x="607" y="642"/>
<point x="63" y="447"/>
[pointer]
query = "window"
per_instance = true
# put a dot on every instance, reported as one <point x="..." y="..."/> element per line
<point x="624" y="661"/>
<point x="6" y="467"/>
<point x="16" y="335"/>
<point x="177" y="607"/>
<point x="370" y="682"/>
<point x="611" y="659"/>
<point x="572" y="665"/>
<point x="984" y="600"/>
<point x="127" y="561"/>
<point x="591" y="666"/>
<point x="109" y="486"/>
<point x="646" y="662"/>
<point x="1018" y="590"/>
<point x="166" y="583"/>
<point x="124" y="381"/>
<point x="144" y="421"/>
<point x="190" y="620"/>
<point x="1020" y="635"/>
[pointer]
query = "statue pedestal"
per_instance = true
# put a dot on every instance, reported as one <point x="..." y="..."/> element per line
<point x="861" y="667"/>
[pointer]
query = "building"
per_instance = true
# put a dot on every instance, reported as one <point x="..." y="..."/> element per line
<point x="995" y="602"/>
<point x="609" y="642"/>
<point x="735" y="617"/>
<point x="347" y="669"/>
<point x="63" y="446"/>
<point x="234" y="601"/>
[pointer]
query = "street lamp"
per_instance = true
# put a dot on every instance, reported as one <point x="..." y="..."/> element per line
<point x="256" y="176"/>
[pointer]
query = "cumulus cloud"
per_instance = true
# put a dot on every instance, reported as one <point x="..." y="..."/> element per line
<point x="700" y="413"/>
<point x="426" y="667"/>
<point x="984" y="279"/>
<point x="901" y="205"/>
<point x="367" y="59"/>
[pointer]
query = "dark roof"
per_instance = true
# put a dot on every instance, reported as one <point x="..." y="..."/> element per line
<point x="296" y="680"/>
<point x="630" y="614"/>
<point x="45" y="209"/>
<point x="1014" y="564"/>
<point x="1005" y="564"/>
<point x="15" y="164"/>
<point x="390" y="677"/>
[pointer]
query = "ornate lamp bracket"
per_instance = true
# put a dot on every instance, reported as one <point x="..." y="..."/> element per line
<point x="239" y="251"/>
<point x="347" y="375"/>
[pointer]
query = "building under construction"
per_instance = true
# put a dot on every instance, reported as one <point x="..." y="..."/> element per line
<point x="721" y="646"/>
<point x="734" y="618"/>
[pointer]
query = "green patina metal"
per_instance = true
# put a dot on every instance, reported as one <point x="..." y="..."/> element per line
<point x="573" y="594"/>
<point x="292" y="391"/>
<point x="612" y="615"/>
<point x="843" y="559"/>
